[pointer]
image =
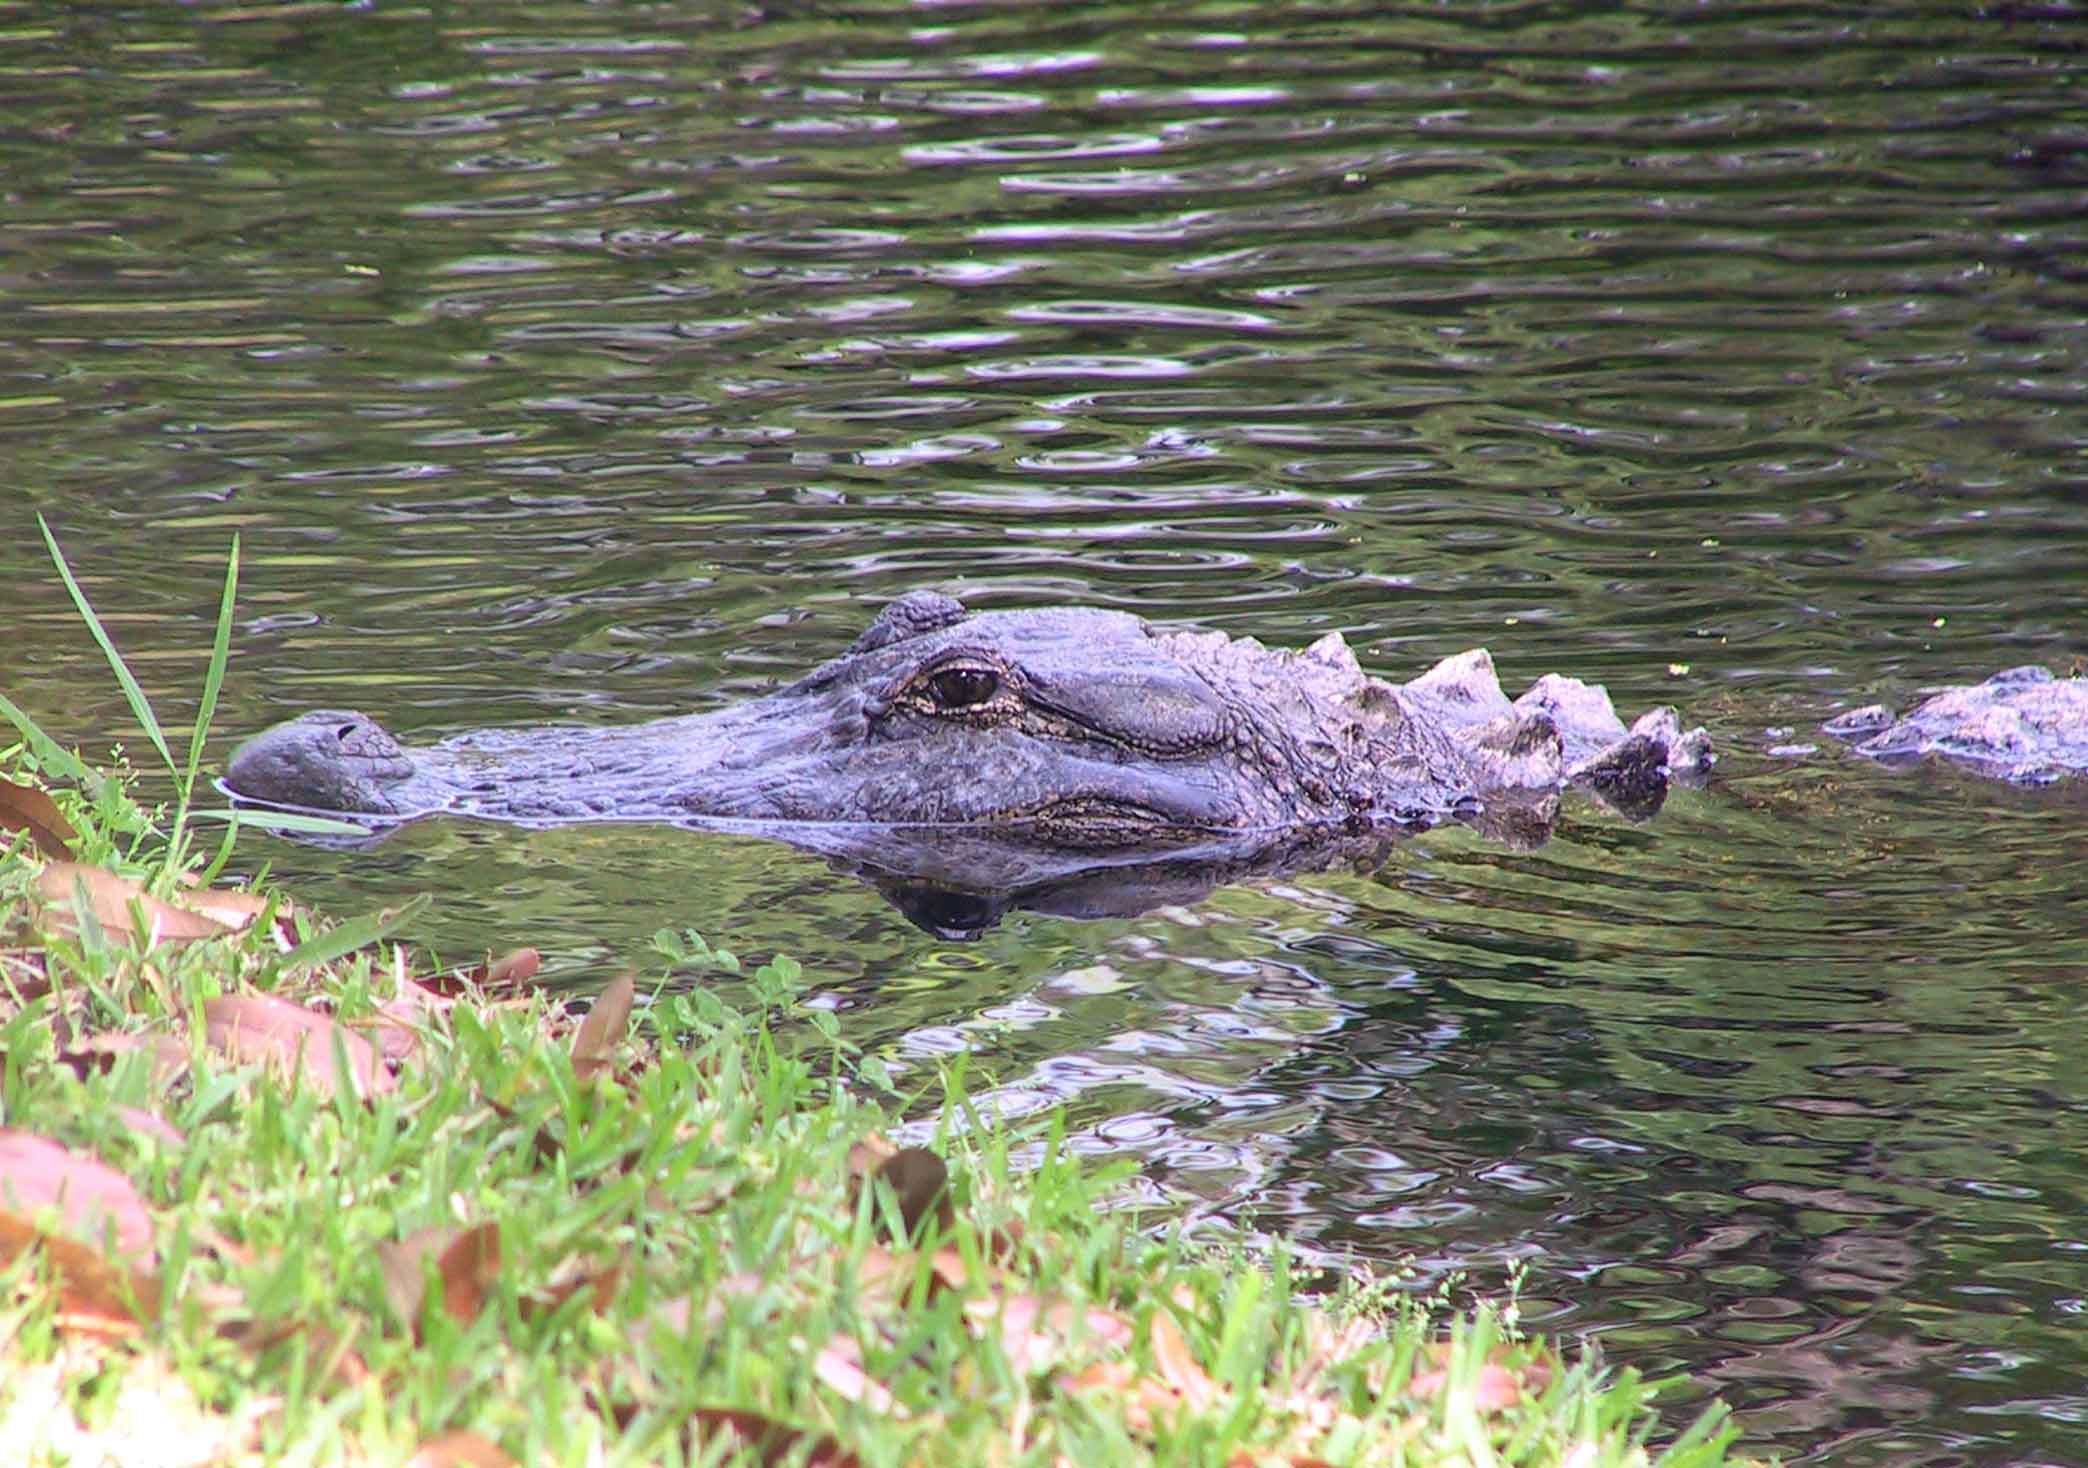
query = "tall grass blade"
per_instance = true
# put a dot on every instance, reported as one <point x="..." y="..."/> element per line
<point x="141" y="707"/>
<point x="355" y="933"/>
<point x="49" y="753"/>
<point x="214" y="675"/>
<point x="259" y="819"/>
<point x="224" y="852"/>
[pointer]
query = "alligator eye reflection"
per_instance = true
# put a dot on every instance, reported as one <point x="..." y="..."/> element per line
<point x="962" y="688"/>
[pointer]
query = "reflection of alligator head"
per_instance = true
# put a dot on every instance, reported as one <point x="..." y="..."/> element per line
<point x="1070" y="730"/>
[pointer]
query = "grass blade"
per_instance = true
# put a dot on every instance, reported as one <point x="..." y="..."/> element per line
<point x="141" y="707"/>
<point x="355" y="933"/>
<point x="260" y="819"/>
<point x="50" y="754"/>
<point x="214" y="675"/>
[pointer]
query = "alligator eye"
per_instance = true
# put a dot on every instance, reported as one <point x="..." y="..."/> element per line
<point x="962" y="688"/>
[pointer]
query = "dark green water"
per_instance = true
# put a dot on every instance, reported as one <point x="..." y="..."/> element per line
<point x="598" y="361"/>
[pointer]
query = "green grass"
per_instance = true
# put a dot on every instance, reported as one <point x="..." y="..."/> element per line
<point x="667" y="1242"/>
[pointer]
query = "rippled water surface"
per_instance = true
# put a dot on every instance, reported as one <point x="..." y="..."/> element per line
<point x="593" y="362"/>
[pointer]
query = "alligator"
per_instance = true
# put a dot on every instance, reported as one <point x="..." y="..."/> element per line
<point x="1071" y="730"/>
<point x="2022" y="725"/>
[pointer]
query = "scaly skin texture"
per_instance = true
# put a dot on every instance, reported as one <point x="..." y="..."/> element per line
<point x="2022" y="725"/>
<point x="1080" y="729"/>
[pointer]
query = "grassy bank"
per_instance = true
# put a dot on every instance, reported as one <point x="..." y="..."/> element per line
<point x="272" y="1190"/>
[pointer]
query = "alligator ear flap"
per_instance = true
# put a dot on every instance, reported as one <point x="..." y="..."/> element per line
<point x="913" y="614"/>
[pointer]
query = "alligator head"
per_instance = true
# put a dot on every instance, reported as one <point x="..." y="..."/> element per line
<point x="1078" y="728"/>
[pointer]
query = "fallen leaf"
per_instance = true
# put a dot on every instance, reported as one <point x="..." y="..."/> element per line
<point x="777" y="1442"/>
<point x="98" y="1293"/>
<point x="156" y="1127"/>
<point x="23" y="977"/>
<point x="920" y="1181"/>
<point x="112" y="899"/>
<point x="330" y="1351"/>
<point x="294" y="1041"/>
<point x="1035" y="1331"/>
<point x="232" y="906"/>
<point x="93" y="1198"/>
<point x="405" y="1281"/>
<point x="1143" y="1400"/>
<point x="467" y="1264"/>
<point x="600" y="1281"/>
<point x="25" y="809"/>
<point x="509" y="972"/>
<point x="869" y="1154"/>
<point x="1495" y="1390"/>
<point x="1177" y="1364"/>
<point x="459" y="1450"/>
<point x="514" y="969"/>
<point x="839" y="1363"/>
<point x="469" y="1268"/>
<point x="97" y="1054"/>
<point x="595" y="1045"/>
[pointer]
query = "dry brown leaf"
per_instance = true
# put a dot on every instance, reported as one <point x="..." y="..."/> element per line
<point x="23" y="978"/>
<point x="947" y="1269"/>
<point x="921" y="1183"/>
<point x="156" y="1127"/>
<point x="777" y="1442"/>
<point x="1144" y="1400"/>
<point x="400" y="1261"/>
<point x="893" y="1274"/>
<point x="396" y="1044"/>
<point x="467" y="1264"/>
<point x="1034" y="1331"/>
<point x="884" y="1272"/>
<point x="1331" y="1343"/>
<point x="228" y="905"/>
<point x="98" y="1294"/>
<point x="510" y="972"/>
<point x="1177" y="1364"/>
<point x="459" y="1450"/>
<point x="25" y="809"/>
<point x="601" y="1282"/>
<point x="869" y="1154"/>
<point x="293" y="1041"/>
<point x="330" y="1351"/>
<point x="595" y="1044"/>
<point x="1495" y="1390"/>
<point x="92" y="1198"/>
<point x="469" y="1268"/>
<point x="839" y="1363"/>
<point x="98" y="1053"/>
<point x="111" y="900"/>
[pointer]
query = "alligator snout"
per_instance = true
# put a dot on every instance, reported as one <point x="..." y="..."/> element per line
<point x="329" y="759"/>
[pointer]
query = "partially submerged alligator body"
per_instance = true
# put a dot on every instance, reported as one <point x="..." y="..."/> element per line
<point x="1074" y="730"/>
<point x="2023" y="725"/>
